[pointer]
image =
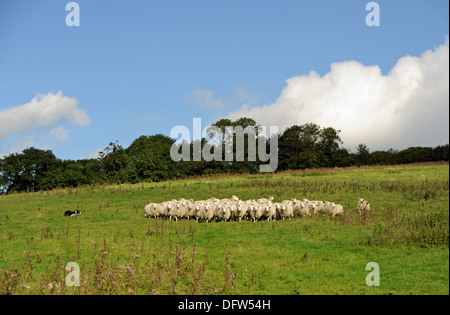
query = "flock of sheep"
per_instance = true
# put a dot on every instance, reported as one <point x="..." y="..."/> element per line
<point x="235" y="209"/>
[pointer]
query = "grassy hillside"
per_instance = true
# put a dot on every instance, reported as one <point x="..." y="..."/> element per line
<point x="121" y="252"/>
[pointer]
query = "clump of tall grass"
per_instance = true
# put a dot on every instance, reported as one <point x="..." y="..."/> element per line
<point x="416" y="229"/>
<point x="167" y="267"/>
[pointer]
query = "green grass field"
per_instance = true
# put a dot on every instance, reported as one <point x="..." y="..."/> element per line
<point x="119" y="251"/>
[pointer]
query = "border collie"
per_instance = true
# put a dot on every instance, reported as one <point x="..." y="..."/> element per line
<point x="69" y="213"/>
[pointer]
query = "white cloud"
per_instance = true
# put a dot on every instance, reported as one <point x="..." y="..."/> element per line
<point x="92" y="154"/>
<point x="204" y="98"/>
<point x="43" y="112"/>
<point x="407" y="107"/>
<point x="21" y="143"/>
<point x="53" y="138"/>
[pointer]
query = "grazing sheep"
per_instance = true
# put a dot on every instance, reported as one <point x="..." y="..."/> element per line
<point x="226" y="213"/>
<point x="287" y="211"/>
<point x="210" y="212"/>
<point x="151" y="211"/>
<point x="190" y="211"/>
<point x="224" y="201"/>
<point x="310" y="208"/>
<point x="235" y="209"/>
<point x="297" y="206"/>
<point x="148" y="210"/>
<point x="171" y="212"/>
<point x="216" y="209"/>
<point x="304" y="210"/>
<point x="363" y="206"/>
<point x="162" y="210"/>
<point x="212" y="200"/>
<point x="241" y="211"/>
<point x="255" y="213"/>
<point x="264" y="200"/>
<point x="270" y="212"/>
<point x="200" y="212"/>
<point x="321" y="207"/>
<point x="277" y="206"/>
<point x="328" y="207"/>
<point x="219" y="213"/>
<point x="180" y="211"/>
<point x="336" y="210"/>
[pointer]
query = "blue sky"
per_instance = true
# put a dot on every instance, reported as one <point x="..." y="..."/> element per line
<point x="142" y="67"/>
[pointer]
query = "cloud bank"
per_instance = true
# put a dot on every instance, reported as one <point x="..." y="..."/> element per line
<point x="43" y="112"/>
<point x="407" y="107"/>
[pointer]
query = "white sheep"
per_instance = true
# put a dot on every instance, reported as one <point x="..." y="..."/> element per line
<point x="200" y="212"/>
<point x="311" y="208"/>
<point x="210" y="212"/>
<point x="234" y="198"/>
<point x="236" y="209"/>
<point x="162" y="210"/>
<point x="224" y="213"/>
<point x="265" y="201"/>
<point x="362" y="206"/>
<point x="321" y="207"/>
<point x="241" y="211"/>
<point x="171" y="211"/>
<point x="149" y="210"/>
<point x="287" y="211"/>
<point x="277" y="206"/>
<point x="255" y="212"/>
<point x="213" y="200"/>
<point x="270" y="212"/>
<point x="297" y="206"/>
<point x="180" y="211"/>
<point x="304" y="210"/>
<point x="336" y="210"/>
<point x="190" y="211"/>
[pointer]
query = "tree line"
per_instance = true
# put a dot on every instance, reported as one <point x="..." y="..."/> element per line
<point x="148" y="159"/>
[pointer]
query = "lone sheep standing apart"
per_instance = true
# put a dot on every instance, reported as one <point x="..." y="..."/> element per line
<point x="363" y="206"/>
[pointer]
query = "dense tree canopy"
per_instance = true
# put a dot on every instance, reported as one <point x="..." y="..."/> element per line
<point x="309" y="146"/>
<point x="148" y="158"/>
<point x="28" y="171"/>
